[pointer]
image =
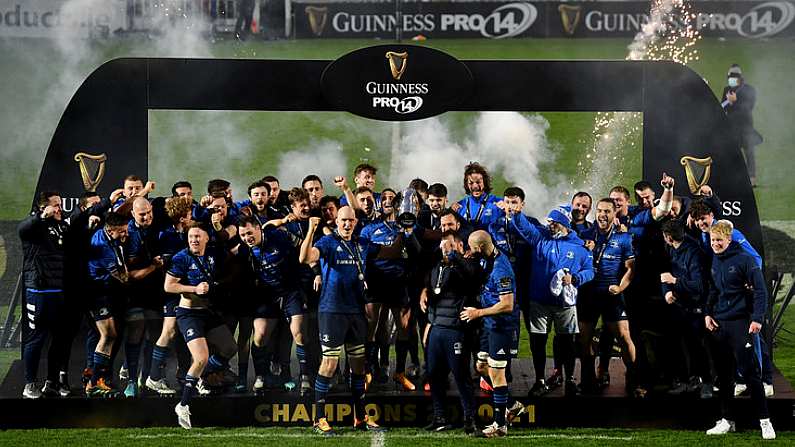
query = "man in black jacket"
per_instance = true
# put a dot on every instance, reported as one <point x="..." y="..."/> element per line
<point x="739" y="99"/>
<point x="684" y="288"/>
<point x="736" y="310"/>
<point x="42" y="235"/>
<point x="452" y="284"/>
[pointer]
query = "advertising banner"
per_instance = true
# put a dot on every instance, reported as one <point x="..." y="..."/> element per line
<point x="499" y="20"/>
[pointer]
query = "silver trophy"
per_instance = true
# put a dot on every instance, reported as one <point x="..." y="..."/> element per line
<point x="408" y="207"/>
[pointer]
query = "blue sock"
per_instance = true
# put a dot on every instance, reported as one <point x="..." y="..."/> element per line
<point x="132" y="353"/>
<point x="159" y="359"/>
<point x="146" y="362"/>
<point x="260" y="359"/>
<point x="500" y="398"/>
<point x="242" y="373"/>
<point x="101" y="367"/>
<point x="357" y="392"/>
<point x="301" y="354"/>
<point x="322" y="386"/>
<point x="216" y="363"/>
<point x="189" y="389"/>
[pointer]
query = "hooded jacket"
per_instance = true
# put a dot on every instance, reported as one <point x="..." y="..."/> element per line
<point x="733" y="272"/>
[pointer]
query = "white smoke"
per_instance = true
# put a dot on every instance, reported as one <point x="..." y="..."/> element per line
<point x="509" y="144"/>
<point x="322" y="158"/>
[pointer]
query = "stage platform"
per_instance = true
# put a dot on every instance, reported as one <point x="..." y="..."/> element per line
<point x="390" y="407"/>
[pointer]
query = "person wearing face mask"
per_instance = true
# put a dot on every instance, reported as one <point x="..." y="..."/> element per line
<point x="739" y="99"/>
<point x="735" y="312"/>
<point x="557" y="252"/>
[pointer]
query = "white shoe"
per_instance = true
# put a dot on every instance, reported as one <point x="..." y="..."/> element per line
<point x="201" y="388"/>
<point x="160" y="387"/>
<point x="494" y="431"/>
<point x="767" y="429"/>
<point x="722" y="427"/>
<point x="183" y="416"/>
<point x="259" y="384"/>
<point x="31" y="391"/>
<point x="739" y="389"/>
<point x="769" y="391"/>
<point x="124" y="374"/>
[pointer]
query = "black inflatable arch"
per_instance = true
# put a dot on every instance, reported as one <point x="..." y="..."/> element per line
<point x="681" y="116"/>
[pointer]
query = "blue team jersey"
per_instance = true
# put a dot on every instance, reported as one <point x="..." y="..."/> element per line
<point x="501" y="281"/>
<point x="193" y="270"/>
<point x="105" y="256"/>
<point x="385" y="233"/>
<point x="480" y="213"/>
<point x="376" y="196"/>
<point x="515" y="248"/>
<point x="275" y="261"/>
<point x="170" y="242"/>
<point x="637" y="220"/>
<point x="140" y="246"/>
<point x="343" y="291"/>
<point x="610" y="253"/>
<point x="581" y="228"/>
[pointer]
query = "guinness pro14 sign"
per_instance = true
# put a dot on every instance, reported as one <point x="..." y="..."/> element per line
<point x="396" y="82"/>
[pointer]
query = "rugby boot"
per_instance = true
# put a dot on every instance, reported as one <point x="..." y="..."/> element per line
<point x="50" y="389"/>
<point x="322" y="427"/>
<point x="183" y="416"/>
<point x="485" y="385"/>
<point x="259" y="385"/>
<point x="555" y="380"/>
<point x="493" y="431"/>
<point x="438" y="424"/>
<point x="403" y="381"/>
<point x="101" y="390"/>
<point x="131" y="390"/>
<point x="367" y="424"/>
<point x="160" y="387"/>
<point x="539" y="389"/>
<point x="516" y="410"/>
<point x="31" y="391"/>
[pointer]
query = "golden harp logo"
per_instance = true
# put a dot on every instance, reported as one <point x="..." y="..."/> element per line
<point x="92" y="169"/>
<point x="689" y="163"/>
<point x="570" y="18"/>
<point x="318" y="16"/>
<point x="397" y="63"/>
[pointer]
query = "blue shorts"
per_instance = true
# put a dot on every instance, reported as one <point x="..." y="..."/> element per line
<point x="196" y="323"/>
<point x="284" y="306"/>
<point x="498" y="345"/>
<point x="592" y="304"/>
<point x="340" y="329"/>
<point x="170" y="308"/>
<point x="388" y="293"/>
<point x="106" y="306"/>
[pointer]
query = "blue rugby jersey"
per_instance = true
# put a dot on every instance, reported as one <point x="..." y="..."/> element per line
<point x="343" y="291"/>
<point x="105" y="257"/>
<point x="501" y="281"/>
<point x="480" y="213"/>
<point x="193" y="270"/>
<point x="274" y="261"/>
<point x="610" y="253"/>
<point x="383" y="234"/>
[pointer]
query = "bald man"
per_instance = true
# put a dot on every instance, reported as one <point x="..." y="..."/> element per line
<point x="500" y="324"/>
<point x="145" y="274"/>
<point x="341" y="316"/>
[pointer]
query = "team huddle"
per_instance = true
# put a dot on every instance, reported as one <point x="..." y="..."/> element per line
<point x="333" y="279"/>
